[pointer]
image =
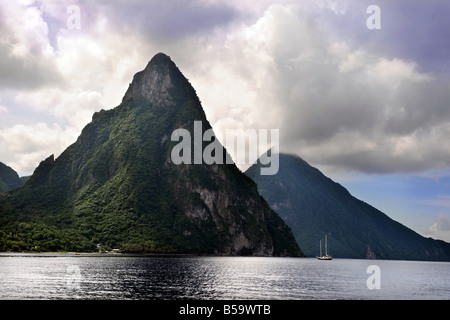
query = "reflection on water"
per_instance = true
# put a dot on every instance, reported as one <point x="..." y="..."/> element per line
<point x="67" y="276"/>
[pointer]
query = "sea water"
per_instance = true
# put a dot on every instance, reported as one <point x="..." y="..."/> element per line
<point x="140" y="277"/>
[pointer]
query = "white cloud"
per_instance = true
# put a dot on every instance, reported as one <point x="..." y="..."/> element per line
<point x="27" y="29"/>
<point x="440" y="228"/>
<point x="395" y="72"/>
<point x="25" y="53"/>
<point x="25" y="146"/>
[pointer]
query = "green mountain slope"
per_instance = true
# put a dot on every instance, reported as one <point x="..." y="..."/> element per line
<point x="9" y="179"/>
<point x="313" y="205"/>
<point x="116" y="186"/>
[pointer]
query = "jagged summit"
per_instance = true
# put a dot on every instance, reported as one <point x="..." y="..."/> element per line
<point x="156" y="80"/>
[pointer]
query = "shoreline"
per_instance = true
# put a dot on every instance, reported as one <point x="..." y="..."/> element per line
<point x="122" y="254"/>
<point x="126" y="254"/>
<point x="71" y="253"/>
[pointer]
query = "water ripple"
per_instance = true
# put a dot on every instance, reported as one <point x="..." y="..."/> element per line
<point x="65" y="276"/>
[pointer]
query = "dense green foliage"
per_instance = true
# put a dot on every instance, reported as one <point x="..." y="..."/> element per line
<point x="313" y="205"/>
<point x="116" y="187"/>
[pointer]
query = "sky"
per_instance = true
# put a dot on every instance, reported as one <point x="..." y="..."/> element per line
<point x="368" y="106"/>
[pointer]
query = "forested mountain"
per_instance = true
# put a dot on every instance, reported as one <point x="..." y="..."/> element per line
<point x="314" y="206"/>
<point x="9" y="179"/>
<point x="117" y="186"/>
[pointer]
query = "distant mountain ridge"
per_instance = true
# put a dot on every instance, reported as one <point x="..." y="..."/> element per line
<point x="314" y="206"/>
<point x="9" y="179"/>
<point x="116" y="186"/>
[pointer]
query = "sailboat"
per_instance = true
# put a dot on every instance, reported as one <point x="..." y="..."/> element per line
<point x="326" y="256"/>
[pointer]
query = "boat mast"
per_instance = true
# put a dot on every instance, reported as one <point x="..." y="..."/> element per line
<point x="326" y="251"/>
<point x="320" y="242"/>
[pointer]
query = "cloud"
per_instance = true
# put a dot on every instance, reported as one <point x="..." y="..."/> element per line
<point x="3" y="109"/>
<point x="440" y="229"/>
<point x="416" y="31"/>
<point x="26" y="58"/>
<point x="334" y="105"/>
<point x="341" y="96"/>
<point x="94" y="66"/>
<point x="25" y="146"/>
<point x="167" y="21"/>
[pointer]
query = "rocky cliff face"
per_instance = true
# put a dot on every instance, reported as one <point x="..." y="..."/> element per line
<point x="155" y="81"/>
<point x="118" y="186"/>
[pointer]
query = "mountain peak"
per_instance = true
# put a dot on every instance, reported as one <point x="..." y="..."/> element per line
<point x="160" y="61"/>
<point x="155" y="81"/>
<point x="160" y="58"/>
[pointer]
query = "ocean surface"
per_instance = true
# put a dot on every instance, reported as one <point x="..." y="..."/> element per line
<point x="109" y="277"/>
